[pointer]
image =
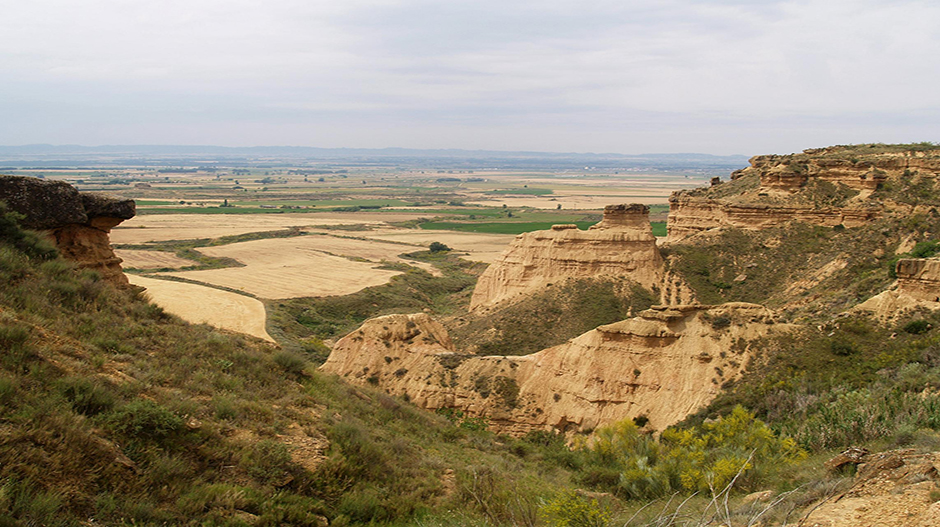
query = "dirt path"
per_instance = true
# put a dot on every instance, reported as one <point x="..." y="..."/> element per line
<point x="199" y="304"/>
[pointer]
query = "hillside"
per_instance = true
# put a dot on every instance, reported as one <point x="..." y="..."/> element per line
<point x="801" y="293"/>
<point x="115" y="413"/>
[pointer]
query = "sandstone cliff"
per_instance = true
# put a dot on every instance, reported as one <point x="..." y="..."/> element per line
<point x="689" y="214"/>
<point x="622" y="245"/>
<point x="918" y="286"/>
<point x="663" y="364"/>
<point x="79" y="223"/>
<point x="842" y="185"/>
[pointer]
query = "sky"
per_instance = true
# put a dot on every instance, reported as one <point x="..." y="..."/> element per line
<point x="710" y="76"/>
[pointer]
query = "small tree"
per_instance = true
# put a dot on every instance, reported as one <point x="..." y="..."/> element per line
<point x="437" y="247"/>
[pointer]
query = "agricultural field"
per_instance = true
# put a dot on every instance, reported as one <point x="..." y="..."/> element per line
<point x="280" y="232"/>
<point x="199" y="304"/>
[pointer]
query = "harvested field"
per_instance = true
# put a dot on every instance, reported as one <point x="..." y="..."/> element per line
<point x="144" y="228"/>
<point x="134" y="259"/>
<point x="481" y="247"/>
<point x="299" y="266"/>
<point x="199" y="304"/>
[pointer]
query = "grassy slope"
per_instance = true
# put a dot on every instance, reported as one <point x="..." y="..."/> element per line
<point x="113" y="410"/>
<point x="840" y="380"/>
<point x="550" y="317"/>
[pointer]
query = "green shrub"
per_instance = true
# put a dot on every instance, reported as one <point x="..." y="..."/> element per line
<point x="291" y="362"/>
<point x="703" y="458"/>
<point x="86" y="397"/>
<point x="437" y="247"/>
<point x="917" y="327"/>
<point x="568" y="509"/>
<point x="268" y="461"/>
<point x="143" y="418"/>
<point x="29" y="242"/>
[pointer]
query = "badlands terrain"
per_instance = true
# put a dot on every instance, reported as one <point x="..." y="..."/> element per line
<point x="772" y="356"/>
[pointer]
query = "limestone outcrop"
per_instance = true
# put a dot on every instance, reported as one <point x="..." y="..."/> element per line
<point x="79" y="223"/>
<point x="621" y="245"/>
<point x="664" y="364"/>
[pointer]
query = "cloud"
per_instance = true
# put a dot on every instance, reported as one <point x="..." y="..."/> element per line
<point x="557" y="69"/>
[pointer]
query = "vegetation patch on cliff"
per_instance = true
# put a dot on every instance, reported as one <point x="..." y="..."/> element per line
<point x="551" y="317"/>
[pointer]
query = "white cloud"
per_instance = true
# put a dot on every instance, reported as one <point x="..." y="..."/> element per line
<point x="519" y="74"/>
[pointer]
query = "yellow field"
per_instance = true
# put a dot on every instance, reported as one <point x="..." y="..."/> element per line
<point x="199" y="304"/>
<point x="163" y="227"/>
<point x="134" y="259"/>
<point x="289" y="268"/>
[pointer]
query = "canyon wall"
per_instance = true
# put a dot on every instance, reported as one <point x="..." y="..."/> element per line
<point x="856" y="170"/>
<point x="826" y="187"/>
<point x="689" y="214"/>
<point x="621" y="245"/>
<point x="662" y="365"/>
<point x="78" y="223"/>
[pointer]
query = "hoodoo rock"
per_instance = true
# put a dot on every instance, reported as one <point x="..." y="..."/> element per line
<point x="621" y="245"/>
<point x="79" y="223"/>
<point x="662" y="365"/>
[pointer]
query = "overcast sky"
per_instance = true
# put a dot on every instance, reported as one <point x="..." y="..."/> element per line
<point x="721" y="77"/>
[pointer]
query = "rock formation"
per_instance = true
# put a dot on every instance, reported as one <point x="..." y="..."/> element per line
<point x="79" y="223"/>
<point x="889" y="488"/>
<point x="622" y="245"/>
<point x="663" y="365"/>
<point x="919" y="278"/>
<point x="859" y="171"/>
<point x="689" y="214"/>
<point x="826" y="187"/>
<point x="918" y="286"/>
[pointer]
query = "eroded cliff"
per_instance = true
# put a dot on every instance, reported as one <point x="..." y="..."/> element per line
<point x="917" y="286"/>
<point x="622" y="245"/>
<point x="78" y="223"/>
<point x="841" y="185"/>
<point x="662" y="365"/>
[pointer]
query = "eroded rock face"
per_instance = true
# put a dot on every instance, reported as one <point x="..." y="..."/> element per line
<point x="919" y="278"/>
<point x="918" y="286"/>
<point x="79" y="223"/>
<point x="826" y="187"/>
<point x="622" y="244"/>
<point x="664" y="364"/>
<point x="890" y="488"/>
<point x="859" y="171"/>
<point x="690" y="215"/>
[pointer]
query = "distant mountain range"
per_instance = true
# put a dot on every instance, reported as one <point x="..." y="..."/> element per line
<point x="43" y="155"/>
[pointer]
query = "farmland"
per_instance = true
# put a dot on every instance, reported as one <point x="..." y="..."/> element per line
<point x="232" y="236"/>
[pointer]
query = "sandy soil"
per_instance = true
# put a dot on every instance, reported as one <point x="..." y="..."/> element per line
<point x="163" y="227"/>
<point x="134" y="259"/>
<point x="289" y="268"/>
<point x="200" y="304"/>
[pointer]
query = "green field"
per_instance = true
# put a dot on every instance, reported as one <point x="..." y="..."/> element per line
<point x="153" y="203"/>
<point x="526" y="191"/>
<point x="659" y="228"/>
<point x="327" y="203"/>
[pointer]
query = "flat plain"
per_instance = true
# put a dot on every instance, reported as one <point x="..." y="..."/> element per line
<point x="291" y="231"/>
